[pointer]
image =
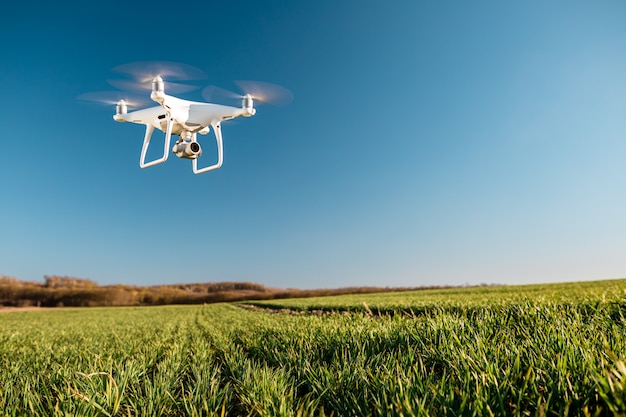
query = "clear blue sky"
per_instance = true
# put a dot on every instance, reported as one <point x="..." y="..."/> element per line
<point x="428" y="143"/>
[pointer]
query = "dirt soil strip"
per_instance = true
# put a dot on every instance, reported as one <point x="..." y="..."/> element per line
<point x="290" y="311"/>
<point x="34" y="308"/>
<point x="10" y="309"/>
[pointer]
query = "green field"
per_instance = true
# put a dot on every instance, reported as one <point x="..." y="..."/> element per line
<point x="533" y="350"/>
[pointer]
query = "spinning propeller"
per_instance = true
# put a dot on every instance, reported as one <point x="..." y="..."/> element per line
<point x="259" y="91"/>
<point x="142" y="73"/>
<point x="138" y="77"/>
<point x="114" y="97"/>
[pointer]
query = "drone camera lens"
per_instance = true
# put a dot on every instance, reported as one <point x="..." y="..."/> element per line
<point x="194" y="147"/>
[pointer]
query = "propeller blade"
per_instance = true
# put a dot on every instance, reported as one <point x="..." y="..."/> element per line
<point x="143" y="86"/>
<point x="145" y="71"/>
<point x="263" y="92"/>
<point x="215" y="94"/>
<point x="266" y="92"/>
<point x="113" y="97"/>
<point x="140" y="76"/>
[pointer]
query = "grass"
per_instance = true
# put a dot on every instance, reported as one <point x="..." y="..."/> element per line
<point x="459" y="298"/>
<point x="532" y="350"/>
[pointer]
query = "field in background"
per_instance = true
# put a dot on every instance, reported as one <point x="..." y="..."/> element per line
<point x="538" y="350"/>
<point x="448" y="299"/>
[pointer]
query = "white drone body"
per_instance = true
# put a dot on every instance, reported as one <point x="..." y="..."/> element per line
<point x="175" y="116"/>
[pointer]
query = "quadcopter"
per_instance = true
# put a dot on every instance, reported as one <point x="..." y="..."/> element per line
<point x="185" y="119"/>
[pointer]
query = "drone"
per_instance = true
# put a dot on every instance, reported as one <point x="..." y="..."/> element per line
<point x="185" y="119"/>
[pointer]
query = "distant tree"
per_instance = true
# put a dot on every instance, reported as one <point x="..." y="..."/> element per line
<point x="7" y="280"/>
<point x="55" y="281"/>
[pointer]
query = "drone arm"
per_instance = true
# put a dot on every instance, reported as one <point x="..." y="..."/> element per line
<point x="146" y="143"/>
<point x="220" y="152"/>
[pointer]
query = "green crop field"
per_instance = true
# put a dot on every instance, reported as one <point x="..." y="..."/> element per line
<point x="533" y="350"/>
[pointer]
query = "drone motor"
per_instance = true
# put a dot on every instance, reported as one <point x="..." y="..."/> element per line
<point x="157" y="84"/>
<point x="246" y="103"/>
<point x="121" y="107"/>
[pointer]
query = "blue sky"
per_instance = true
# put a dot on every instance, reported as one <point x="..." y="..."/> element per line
<point x="427" y="143"/>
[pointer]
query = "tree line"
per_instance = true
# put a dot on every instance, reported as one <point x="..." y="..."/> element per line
<point x="64" y="291"/>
